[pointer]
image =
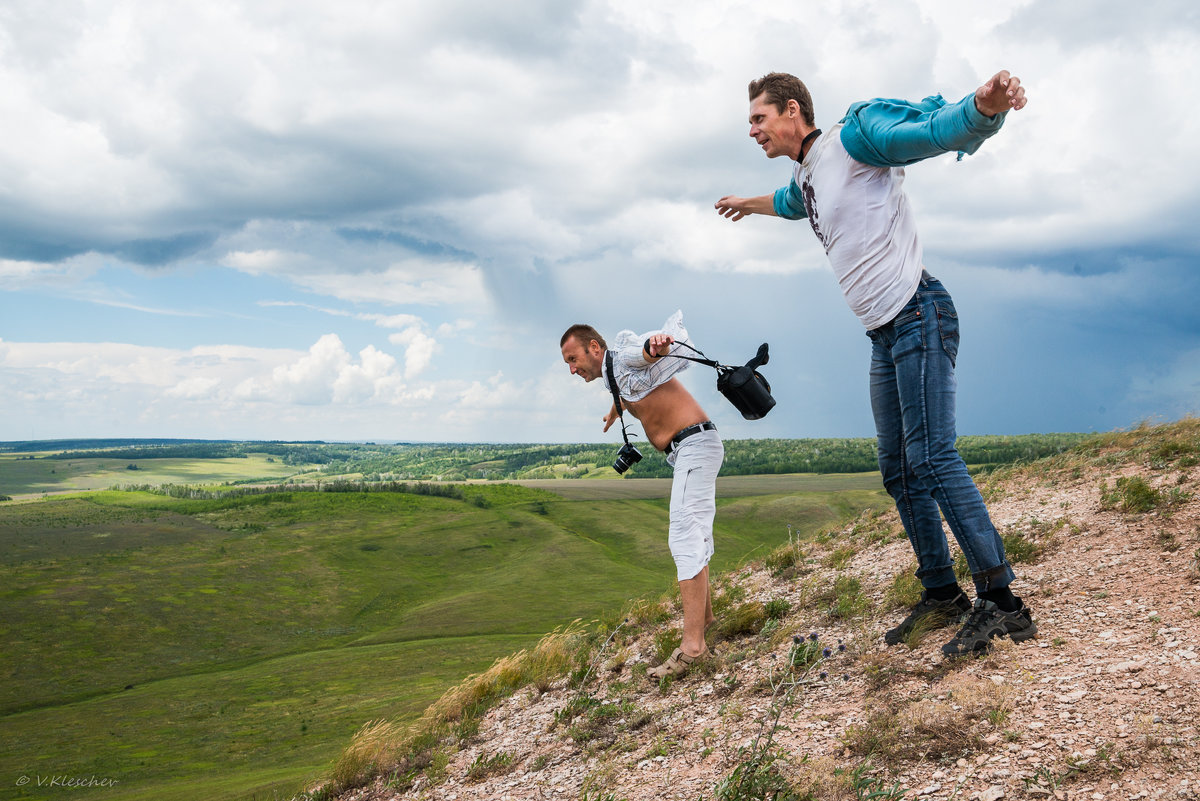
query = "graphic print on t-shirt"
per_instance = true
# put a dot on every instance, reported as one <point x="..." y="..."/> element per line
<point x="810" y="208"/>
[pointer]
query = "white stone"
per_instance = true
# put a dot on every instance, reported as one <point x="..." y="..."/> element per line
<point x="993" y="793"/>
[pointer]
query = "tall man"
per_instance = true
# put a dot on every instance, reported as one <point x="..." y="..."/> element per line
<point x="674" y="423"/>
<point x="847" y="182"/>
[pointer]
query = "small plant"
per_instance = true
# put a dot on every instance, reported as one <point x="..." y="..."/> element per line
<point x="1043" y="778"/>
<point x="905" y="589"/>
<point x="662" y="746"/>
<point x="804" y="653"/>
<point x="849" y="600"/>
<point x="747" y="618"/>
<point x="599" y="796"/>
<point x="785" y="556"/>
<point x="962" y="570"/>
<point x="484" y="766"/>
<point x="868" y="788"/>
<point x="1020" y="549"/>
<point x="1132" y="494"/>
<point x="872" y="528"/>
<point x="777" y="608"/>
<point x="1167" y="541"/>
<point x="756" y="778"/>
<point x="725" y="600"/>
<point x="733" y="709"/>
<point x="665" y="643"/>
<point x="840" y="557"/>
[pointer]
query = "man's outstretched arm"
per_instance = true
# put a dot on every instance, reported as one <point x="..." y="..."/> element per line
<point x="735" y="208"/>
<point x="897" y="133"/>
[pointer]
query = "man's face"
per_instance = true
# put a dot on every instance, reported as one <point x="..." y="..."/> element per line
<point x="774" y="131"/>
<point x="585" y="362"/>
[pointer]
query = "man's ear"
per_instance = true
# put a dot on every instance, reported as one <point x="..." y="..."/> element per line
<point x="597" y="344"/>
<point x="793" y="108"/>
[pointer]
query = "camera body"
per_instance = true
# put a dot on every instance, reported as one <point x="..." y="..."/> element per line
<point x="627" y="457"/>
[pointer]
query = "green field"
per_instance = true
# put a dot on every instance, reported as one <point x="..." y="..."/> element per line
<point x="21" y="476"/>
<point x="229" y="648"/>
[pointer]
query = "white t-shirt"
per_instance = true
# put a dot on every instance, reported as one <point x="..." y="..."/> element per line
<point x="864" y="220"/>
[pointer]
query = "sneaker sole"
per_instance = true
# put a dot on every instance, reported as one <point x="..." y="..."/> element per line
<point x="1024" y="634"/>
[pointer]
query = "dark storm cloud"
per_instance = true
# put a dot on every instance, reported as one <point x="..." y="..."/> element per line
<point x="1074" y="24"/>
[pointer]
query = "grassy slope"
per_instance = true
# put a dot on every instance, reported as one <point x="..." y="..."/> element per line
<point x="263" y="631"/>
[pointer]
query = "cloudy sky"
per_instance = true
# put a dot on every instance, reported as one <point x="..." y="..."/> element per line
<point x="372" y="220"/>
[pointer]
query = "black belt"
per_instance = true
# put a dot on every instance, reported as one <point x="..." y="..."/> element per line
<point x="707" y="425"/>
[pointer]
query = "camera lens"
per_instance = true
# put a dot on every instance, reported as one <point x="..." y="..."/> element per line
<point x="626" y="458"/>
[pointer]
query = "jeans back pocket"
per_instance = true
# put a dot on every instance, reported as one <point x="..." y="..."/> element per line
<point x="947" y="320"/>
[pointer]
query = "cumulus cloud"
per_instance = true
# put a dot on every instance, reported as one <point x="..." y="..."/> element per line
<point x="327" y="374"/>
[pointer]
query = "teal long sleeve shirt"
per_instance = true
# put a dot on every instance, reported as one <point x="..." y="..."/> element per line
<point x="896" y="133"/>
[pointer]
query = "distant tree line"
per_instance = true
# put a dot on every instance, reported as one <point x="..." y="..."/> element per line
<point x="288" y="453"/>
<point x="26" y="446"/>
<point x="381" y="464"/>
<point x="742" y="457"/>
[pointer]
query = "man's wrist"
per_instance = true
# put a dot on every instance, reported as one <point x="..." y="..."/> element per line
<point x="990" y="115"/>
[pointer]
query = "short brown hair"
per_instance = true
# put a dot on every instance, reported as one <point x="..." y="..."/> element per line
<point x="779" y="88"/>
<point x="584" y="333"/>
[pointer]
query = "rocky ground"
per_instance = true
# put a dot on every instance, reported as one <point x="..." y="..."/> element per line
<point x="1103" y="704"/>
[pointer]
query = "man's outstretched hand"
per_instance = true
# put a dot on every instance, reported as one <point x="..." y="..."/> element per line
<point x="731" y="207"/>
<point x="1003" y="92"/>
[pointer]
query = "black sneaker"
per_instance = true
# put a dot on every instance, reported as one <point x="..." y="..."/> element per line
<point x="987" y="621"/>
<point x="929" y="614"/>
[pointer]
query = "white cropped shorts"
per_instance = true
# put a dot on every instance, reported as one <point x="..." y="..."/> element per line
<point x="696" y="460"/>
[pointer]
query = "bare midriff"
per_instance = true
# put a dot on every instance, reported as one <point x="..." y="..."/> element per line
<point x="666" y="411"/>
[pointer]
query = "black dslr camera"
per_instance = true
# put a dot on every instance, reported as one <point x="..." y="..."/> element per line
<point x="627" y="457"/>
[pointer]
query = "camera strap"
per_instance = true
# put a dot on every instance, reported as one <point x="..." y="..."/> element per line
<point x="744" y="386"/>
<point x="705" y="360"/>
<point x="612" y="385"/>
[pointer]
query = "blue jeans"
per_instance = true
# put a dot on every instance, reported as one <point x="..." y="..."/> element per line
<point x="912" y="396"/>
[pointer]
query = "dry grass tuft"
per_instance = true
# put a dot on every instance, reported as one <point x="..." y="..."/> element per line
<point x="951" y="724"/>
<point x="747" y="618"/>
<point x="376" y="744"/>
<point x="381" y="746"/>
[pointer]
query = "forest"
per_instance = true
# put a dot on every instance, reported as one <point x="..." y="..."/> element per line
<point x="497" y="461"/>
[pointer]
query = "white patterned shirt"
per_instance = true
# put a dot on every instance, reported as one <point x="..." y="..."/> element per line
<point x="636" y="378"/>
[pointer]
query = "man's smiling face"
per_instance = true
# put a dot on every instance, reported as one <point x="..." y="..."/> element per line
<point x="776" y="132"/>
<point x="585" y="362"/>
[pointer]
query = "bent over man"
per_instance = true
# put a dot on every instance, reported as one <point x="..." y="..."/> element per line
<point x="675" y="424"/>
<point x="848" y="184"/>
